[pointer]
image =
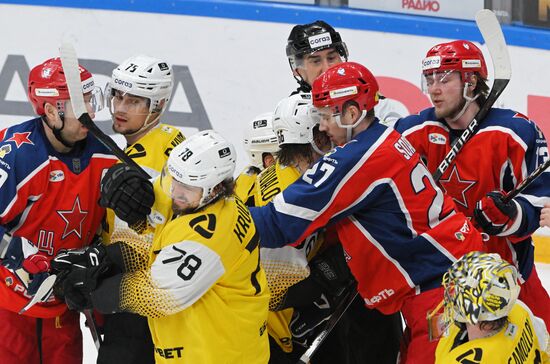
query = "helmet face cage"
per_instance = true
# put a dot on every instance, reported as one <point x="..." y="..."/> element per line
<point x="47" y="84"/>
<point x="260" y="138"/>
<point x="143" y="76"/>
<point x="309" y="38"/>
<point x="479" y="287"/>
<point x="203" y="160"/>
<point x="460" y="56"/>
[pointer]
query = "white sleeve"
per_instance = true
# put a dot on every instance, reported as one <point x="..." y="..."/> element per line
<point x="389" y="111"/>
<point x="186" y="270"/>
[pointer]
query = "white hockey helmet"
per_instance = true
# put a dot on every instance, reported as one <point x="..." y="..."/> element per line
<point x="203" y="160"/>
<point x="292" y="121"/>
<point x="259" y="138"/>
<point x="143" y="76"/>
<point x="479" y="287"/>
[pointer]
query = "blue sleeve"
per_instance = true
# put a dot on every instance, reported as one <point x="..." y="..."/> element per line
<point x="534" y="196"/>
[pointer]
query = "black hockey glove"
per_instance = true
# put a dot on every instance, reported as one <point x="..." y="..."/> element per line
<point x="127" y="192"/>
<point x="494" y="216"/>
<point x="306" y="320"/>
<point x="79" y="284"/>
<point x="330" y="270"/>
<point x="86" y="257"/>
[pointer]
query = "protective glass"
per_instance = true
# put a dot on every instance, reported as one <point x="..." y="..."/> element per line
<point x="176" y="190"/>
<point x="439" y="79"/>
<point x="330" y="56"/>
<point x="120" y="101"/>
<point x="93" y="100"/>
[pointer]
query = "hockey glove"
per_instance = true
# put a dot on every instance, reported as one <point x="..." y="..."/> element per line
<point x="306" y="320"/>
<point x="21" y="253"/>
<point x="330" y="270"/>
<point x="86" y="257"/>
<point x="78" y="286"/>
<point x="495" y="217"/>
<point x="127" y="192"/>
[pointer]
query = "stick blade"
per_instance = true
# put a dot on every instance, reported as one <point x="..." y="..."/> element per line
<point x="42" y="294"/>
<point x="491" y="31"/>
<point x="69" y="61"/>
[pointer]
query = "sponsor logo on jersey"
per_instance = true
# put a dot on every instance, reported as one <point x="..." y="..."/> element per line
<point x="57" y="176"/>
<point x="166" y="129"/>
<point x="437" y="138"/>
<point x="342" y="92"/>
<point x="5" y="150"/>
<point x="261" y="123"/>
<point x="471" y="63"/>
<point x="431" y="62"/>
<point x="170" y="353"/>
<point x="382" y="295"/>
<point x="320" y="40"/>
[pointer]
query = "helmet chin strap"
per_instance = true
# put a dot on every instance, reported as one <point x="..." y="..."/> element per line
<point x="468" y="99"/>
<point x="57" y="131"/>
<point x="146" y="124"/>
<point x="349" y="128"/>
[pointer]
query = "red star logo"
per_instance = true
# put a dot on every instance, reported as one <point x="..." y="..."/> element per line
<point x="20" y="138"/>
<point x="73" y="219"/>
<point x="456" y="187"/>
<point x="520" y="115"/>
<point x="2" y="133"/>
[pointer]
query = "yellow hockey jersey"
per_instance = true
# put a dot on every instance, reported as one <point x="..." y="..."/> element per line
<point x="284" y="266"/>
<point x="150" y="152"/>
<point x="523" y="340"/>
<point x="245" y="184"/>
<point x="204" y="293"/>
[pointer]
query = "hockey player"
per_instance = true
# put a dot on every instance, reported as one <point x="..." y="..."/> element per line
<point x="287" y="266"/>
<point x="260" y="142"/>
<point x="201" y="285"/>
<point x="137" y="95"/>
<point x="488" y="324"/>
<point x="50" y="169"/>
<point x="399" y="231"/>
<point x="506" y="149"/>
<point x="312" y="48"/>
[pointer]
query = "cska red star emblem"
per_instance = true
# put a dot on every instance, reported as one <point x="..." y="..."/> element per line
<point x="456" y="187"/>
<point x="73" y="219"/>
<point x="20" y="139"/>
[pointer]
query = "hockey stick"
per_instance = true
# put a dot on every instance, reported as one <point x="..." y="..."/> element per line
<point x="526" y="182"/>
<point x="93" y="328"/>
<point x="69" y="61"/>
<point x="42" y="294"/>
<point x="494" y="39"/>
<point x="334" y="318"/>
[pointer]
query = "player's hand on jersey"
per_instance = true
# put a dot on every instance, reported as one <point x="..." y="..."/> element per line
<point x="330" y="270"/>
<point x="496" y="217"/>
<point x="127" y="192"/>
<point x="21" y="253"/>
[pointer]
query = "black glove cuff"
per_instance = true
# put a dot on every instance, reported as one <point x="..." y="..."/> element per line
<point x="106" y="297"/>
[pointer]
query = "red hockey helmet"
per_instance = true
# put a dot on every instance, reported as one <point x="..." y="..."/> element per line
<point x="459" y="55"/>
<point x="47" y="84"/>
<point x="344" y="82"/>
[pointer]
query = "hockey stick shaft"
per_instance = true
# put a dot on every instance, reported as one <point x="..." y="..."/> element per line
<point x="90" y="321"/>
<point x="69" y="61"/>
<point x="492" y="34"/>
<point x="526" y="182"/>
<point x="334" y="319"/>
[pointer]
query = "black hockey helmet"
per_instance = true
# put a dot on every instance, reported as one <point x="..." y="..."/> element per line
<point x="308" y="38"/>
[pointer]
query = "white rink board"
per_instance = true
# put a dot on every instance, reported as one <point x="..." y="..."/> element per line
<point x="239" y="67"/>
